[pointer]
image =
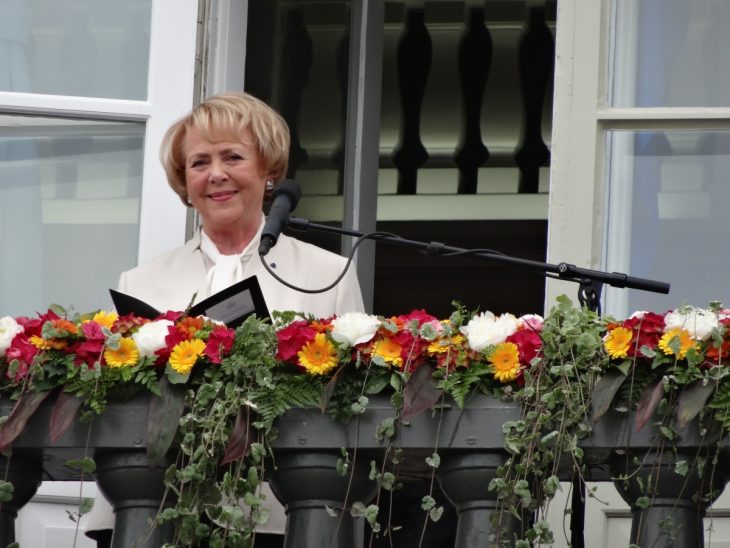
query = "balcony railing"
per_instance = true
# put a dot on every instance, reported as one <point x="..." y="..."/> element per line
<point x="470" y="444"/>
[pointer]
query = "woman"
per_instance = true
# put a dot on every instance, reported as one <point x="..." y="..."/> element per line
<point x="221" y="159"/>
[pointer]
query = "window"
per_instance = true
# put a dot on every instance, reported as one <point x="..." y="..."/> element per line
<point x="641" y="147"/>
<point x="87" y="88"/>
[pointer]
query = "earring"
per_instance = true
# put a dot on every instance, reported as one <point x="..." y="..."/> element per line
<point x="269" y="185"/>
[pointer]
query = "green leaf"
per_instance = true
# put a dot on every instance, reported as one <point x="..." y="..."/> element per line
<point x="87" y="465"/>
<point x="434" y="460"/>
<point x="174" y="377"/>
<point x="6" y="491"/>
<point x="163" y="417"/>
<point x="681" y="467"/>
<point x="650" y="398"/>
<point x="420" y="392"/>
<point x="642" y="502"/>
<point x="692" y="400"/>
<point x="604" y="392"/>
<point x="428" y="502"/>
<point x="377" y="383"/>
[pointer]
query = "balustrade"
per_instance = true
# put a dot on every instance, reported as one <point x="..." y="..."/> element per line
<point x="469" y="442"/>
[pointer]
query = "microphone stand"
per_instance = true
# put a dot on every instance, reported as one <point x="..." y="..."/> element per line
<point x="591" y="281"/>
<point x="589" y="295"/>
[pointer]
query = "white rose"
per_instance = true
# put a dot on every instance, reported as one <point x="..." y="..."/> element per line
<point x="699" y="322"/>
<point x="486" y="329"/>
<point x="151" y="337"/>
<point x="8" y="329"/>
<point x="353" y="328"/>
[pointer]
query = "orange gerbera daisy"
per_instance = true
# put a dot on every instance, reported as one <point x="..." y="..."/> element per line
<point x="506" y="361"/>
<point x="318" y="356"/>
<point x="189" y="325"/>
<point x="388" y="349"/>
<point x="63" y="324"/>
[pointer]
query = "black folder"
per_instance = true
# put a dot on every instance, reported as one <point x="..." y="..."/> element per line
<point x="231" y="306"/>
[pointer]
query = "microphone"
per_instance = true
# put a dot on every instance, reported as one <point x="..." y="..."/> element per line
<point x="284" y="200"/>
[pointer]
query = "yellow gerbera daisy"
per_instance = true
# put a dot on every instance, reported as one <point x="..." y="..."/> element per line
<point x="124" y="355"/>
<point x="105" y="319"/>
<point x="319" y="356"/>
<point x="506" y="361"/>
<point x="185" y="354"/>
<point x="389" y="350"/>
<point x="685" y="342"/>
<point x="441" y="346"/>
<point x="47" y="344"/>
<point x="618" y="341"/>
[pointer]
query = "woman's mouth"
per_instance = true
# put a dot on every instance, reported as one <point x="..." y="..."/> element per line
<point x="221" y="196"/>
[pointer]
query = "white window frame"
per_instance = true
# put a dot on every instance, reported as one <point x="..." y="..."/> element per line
<point x="581" y="119"/>
<point x="173" y="31"/>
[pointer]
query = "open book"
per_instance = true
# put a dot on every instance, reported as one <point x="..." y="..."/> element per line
<point x="231" y="306"/>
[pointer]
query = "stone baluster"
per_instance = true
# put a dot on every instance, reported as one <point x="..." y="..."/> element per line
<point x="25" y="474"/>
<point x="136" y="491"/>
<point x="310" y="488"/>
<point x="677" y="503"/>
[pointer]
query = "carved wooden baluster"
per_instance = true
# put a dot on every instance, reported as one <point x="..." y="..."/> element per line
<point x="475" y="59"/>
<point x="536" y="59"/>
<point x="296" y="63"/>
<point x="414" y="62"/>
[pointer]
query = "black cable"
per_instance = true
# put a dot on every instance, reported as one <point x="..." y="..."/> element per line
<point x="359" y="240"/>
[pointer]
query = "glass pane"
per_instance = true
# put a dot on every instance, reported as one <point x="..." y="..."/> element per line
<point x="69" y="210"/>
<point x="663" y="48"/>
<point x="667" y="209"/>
<point x="84" y="48"/>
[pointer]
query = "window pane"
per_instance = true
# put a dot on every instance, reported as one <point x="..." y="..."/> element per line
<point x="84" y="48"/>
<point x="663" y="48"/>
<point x="69" y="210"/>
<point x="668" y="195"/>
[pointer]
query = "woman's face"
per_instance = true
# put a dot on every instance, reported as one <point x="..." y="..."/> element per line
<point x="225" y="181"/>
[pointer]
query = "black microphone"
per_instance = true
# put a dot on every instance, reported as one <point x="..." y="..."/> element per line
<point x="283" y="201"/>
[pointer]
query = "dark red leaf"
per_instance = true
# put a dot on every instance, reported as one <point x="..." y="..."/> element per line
<point x="242" y="436"/>
<point x="420" y="392"/>
<point x="650" y="398"/>
<point x="604" y="392"/>
<point x="329" y="390"/>
<point x="692" y="399"/>
<point x="23" y="410"/>
<point x="63" y="414"/>
<point x="163" y="418"/>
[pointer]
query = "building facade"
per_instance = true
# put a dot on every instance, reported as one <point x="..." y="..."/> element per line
<point x="591" y="132"/>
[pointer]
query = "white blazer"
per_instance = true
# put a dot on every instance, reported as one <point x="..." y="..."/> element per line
<point x="169" y="282"/>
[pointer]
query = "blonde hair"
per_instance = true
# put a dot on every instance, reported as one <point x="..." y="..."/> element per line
<point x="224" y="117"/>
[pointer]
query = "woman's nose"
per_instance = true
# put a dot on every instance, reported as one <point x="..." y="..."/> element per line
<point x="217" y="172"/>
